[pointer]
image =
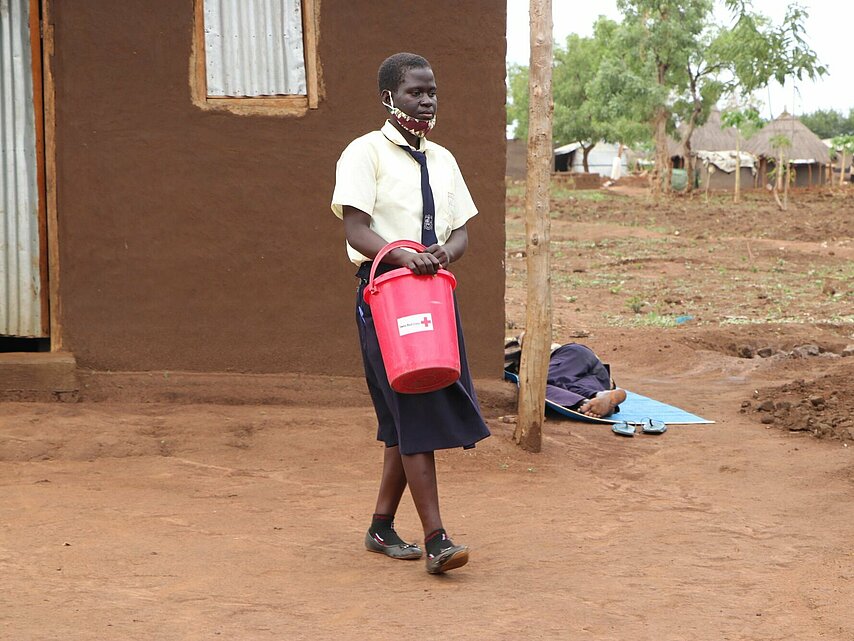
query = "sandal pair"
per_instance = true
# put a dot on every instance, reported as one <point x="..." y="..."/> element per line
<point x="647" y="425"/>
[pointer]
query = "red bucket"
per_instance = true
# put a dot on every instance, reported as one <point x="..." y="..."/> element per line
<point x="416" y="325"/>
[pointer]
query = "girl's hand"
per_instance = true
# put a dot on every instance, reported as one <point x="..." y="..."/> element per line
<point x="424" y="264"/>
<point x="441" y="253"/>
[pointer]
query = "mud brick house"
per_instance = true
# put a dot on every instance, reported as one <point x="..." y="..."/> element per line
<point x="166" y="191"/>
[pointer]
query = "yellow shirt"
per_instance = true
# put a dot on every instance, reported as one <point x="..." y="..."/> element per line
<point x="379" y="178"/>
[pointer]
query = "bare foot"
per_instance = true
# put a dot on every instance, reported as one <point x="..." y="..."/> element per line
<point x="603" y="403"/>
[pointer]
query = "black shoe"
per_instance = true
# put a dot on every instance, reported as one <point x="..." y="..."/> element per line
<point x="452" y="557"/>
<point x="405" y="551"/>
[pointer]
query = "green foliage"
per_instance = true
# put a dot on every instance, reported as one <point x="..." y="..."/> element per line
<point x="574" y="112"/>
<point x="747" y="120"/>
<point x="757" y="51"/>
<point x="636" y="303"/>
<point x="517" y="100"/>
<point x="827" y="123"/>
<point x="845" y="143"/>
<point x="667" y="61"/>
<point x="780" y="142"/>
<point x="595" y="96"/>
<point x="623" y="90"/>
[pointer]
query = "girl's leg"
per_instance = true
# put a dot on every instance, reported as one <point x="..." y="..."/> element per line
<point x="420" y="472"/>
<point x="381" y="536"/>
<point x="442" y="554"/>
<point x="392" y="484"/>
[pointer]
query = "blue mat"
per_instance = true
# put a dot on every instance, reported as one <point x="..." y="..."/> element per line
<point x="634" y="409"/>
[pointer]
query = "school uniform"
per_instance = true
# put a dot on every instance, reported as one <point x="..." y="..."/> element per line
<point x="575" y="375"/>
<point x="377" y="175"/>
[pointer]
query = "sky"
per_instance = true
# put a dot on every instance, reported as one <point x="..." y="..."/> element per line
<point x="828" y="31"/>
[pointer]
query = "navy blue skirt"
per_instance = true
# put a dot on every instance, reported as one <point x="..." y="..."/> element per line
<point x="449" y="417"/>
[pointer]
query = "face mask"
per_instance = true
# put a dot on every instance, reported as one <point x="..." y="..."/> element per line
<point x="414" y="126"/>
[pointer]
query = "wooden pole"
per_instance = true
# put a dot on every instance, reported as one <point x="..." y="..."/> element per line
<point x="534" y="365"/>
<point x="737" y="195"/>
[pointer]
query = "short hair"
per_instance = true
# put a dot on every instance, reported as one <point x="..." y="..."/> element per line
<point x="394" y="68"/>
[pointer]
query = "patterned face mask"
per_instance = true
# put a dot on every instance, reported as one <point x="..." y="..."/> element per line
<point x="414" y="126"/>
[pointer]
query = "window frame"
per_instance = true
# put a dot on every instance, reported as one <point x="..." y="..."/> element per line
<point x="295" y="105"/>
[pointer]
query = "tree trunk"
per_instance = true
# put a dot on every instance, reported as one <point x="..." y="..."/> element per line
<point x="842" y="169"/>
<point x="783" y="174"/>
<point x="586" y="151"/>
<point x="686" y="139"/>
<point x="661" y="171"/>
<point x="661" y="174"/>
<point x="788" y="178"/>
<point x="534" y="366"/>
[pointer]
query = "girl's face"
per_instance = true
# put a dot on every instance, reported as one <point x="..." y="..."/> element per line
<point x="416" y="95"/>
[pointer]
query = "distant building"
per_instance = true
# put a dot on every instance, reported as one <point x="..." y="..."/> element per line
<point x="714" y="147"/>
<point x="600" y="160"/>
<point x="808" y="156"/>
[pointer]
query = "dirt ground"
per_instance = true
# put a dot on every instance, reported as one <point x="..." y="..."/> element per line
<point x="142" y="513"/>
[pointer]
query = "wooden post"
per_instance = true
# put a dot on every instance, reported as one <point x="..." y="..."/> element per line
<point x="736" y="197"/>
<point x="49" y="91"/>
<point x="534" y="365"/>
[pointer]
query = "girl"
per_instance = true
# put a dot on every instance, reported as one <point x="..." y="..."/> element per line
<point x="393" y="184"/>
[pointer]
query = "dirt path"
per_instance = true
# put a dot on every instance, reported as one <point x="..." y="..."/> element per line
<point x="128" y="520"/>
<point x="135" y="521"/>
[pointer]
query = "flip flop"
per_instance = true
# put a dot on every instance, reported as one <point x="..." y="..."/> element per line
<point x="652" y="426"/>
<point x="623" y="429"/>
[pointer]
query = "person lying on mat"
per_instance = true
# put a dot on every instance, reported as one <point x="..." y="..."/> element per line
<point x="577" y="379"/>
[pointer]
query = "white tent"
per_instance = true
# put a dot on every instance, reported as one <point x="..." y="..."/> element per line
<point x="601" y="160"/>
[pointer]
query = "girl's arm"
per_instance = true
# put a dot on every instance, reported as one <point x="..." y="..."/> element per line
<point x="453" y="249"/>
<point x="357" y="228"/>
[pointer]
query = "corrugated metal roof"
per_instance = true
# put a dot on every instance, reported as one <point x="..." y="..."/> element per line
<point x="254" y="48"/>
<point x="20" y="284"/>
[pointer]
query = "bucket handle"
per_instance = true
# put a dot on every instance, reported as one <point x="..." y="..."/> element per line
<point x="409" y="244"/>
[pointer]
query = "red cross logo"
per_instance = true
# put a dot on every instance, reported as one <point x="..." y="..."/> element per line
<point x="425" y="322"/>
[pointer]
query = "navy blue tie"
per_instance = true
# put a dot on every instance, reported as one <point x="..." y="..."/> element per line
<point x="428" y="231"/>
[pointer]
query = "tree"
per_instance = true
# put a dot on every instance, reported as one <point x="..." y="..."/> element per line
<point x="574" y="112"/>
<point x="595" y="97"/>
<point x="704" y="90"/>
<point x="622" y="94"/>
<point x="694" y="63"/>
<point x="746" y="122"/>
<point x="758" y="51"/>
<point x="846" y="145"/>
<point x="781" y="143"/>
<point x="534" y="366"/>
<point x="666" y="32"/>
<point x="828" y="123"/>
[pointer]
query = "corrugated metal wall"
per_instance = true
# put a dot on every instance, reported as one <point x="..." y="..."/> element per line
<point x="20" y="284"/>
<point x="254" y="47"/>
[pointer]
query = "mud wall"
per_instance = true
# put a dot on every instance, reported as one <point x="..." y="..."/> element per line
<point x="196" y="240"/>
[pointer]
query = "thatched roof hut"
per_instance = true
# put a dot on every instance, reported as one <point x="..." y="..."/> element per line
<point x="710" y="136"/>
<point x="713" y="136"/>
<point x="714" y="144"/>
<point x="808" y="156"/>
<point x="807" y="148"/>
